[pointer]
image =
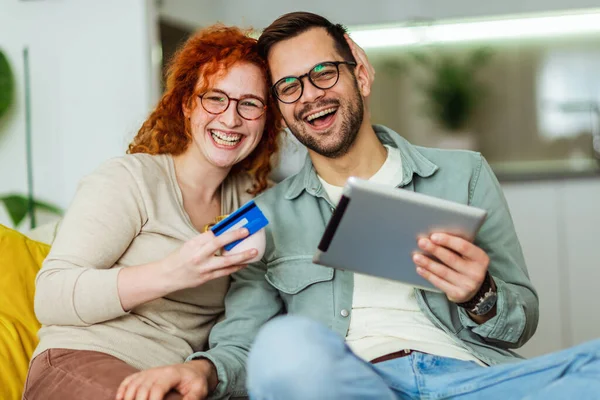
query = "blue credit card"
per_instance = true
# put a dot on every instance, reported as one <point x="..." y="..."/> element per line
<point x="248" y="216"/>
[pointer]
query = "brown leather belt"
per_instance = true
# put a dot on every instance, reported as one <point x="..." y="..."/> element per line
<point x="391" y="356"/>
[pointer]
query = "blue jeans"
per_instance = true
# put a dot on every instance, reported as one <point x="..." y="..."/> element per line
<point x="297" y="358"/>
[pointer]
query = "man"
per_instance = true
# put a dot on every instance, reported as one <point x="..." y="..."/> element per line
<point x="350" y="336"/>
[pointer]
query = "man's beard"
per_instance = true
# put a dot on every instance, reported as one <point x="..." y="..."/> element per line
<point x="351" y="114"/>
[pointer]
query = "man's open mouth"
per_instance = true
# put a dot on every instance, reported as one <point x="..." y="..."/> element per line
<point x="321" y="118"/>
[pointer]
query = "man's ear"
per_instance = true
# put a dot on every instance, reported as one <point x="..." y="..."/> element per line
<point x="364" y="83"/>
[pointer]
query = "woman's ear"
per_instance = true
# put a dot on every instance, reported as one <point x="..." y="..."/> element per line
<point x="187" y="111"/>
<point x="364" y="82"/>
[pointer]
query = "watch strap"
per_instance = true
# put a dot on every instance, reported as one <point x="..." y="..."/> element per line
<point x="480" y="295"/>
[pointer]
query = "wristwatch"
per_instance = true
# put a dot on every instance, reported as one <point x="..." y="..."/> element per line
<point x="484" y="300"/>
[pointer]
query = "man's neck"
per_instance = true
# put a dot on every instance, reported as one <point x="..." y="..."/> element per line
<point x="363" y="160"/>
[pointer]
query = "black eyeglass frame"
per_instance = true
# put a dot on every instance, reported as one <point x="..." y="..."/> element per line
<point x="307" y="75"/>
<point x="201" y="96"/>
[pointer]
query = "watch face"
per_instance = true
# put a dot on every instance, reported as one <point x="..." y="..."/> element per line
<point x="485" y="305"/>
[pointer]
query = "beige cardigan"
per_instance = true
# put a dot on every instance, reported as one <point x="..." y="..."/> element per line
<point x="128" y="212"/>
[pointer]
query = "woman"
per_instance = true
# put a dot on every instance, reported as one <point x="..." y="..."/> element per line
<point x="130" y="282"/>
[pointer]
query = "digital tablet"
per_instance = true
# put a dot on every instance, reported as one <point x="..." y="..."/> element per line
<point x="374" y="230"/>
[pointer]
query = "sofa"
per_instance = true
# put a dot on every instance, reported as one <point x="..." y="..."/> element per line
<point x="21" y="257"/>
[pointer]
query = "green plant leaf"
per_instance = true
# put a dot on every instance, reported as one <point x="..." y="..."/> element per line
<point x="451" y="89"/>
<point x="41" y="205"/>
<point x="17" y="206"/>
<point x="478" y="58"/>
<point x="6" y="84"/>
<point x="421" y="58"/>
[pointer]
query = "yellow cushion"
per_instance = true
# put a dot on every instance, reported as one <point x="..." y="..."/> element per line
<point x="20" y="260"/>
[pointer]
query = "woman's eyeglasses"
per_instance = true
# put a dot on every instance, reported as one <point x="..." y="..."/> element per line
<point x="217" y="102"/>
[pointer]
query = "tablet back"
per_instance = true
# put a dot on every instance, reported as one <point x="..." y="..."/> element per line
<point x="374" y="230"/>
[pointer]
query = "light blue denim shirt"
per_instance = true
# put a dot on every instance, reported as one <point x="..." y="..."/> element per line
<point x="286" y="280"/>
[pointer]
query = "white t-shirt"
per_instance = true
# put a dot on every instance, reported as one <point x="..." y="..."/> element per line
<point x="385" y="315"/>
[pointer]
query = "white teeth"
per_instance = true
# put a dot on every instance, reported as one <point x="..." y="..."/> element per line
<point x="320" y="114"/>
<point x="225" y="138"/>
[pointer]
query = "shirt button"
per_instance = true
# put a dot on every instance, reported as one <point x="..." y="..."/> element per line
<point x="332" y="209"/>
<point x="344" y="313"/>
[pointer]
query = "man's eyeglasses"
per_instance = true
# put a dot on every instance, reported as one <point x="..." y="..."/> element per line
<point x="323" y="76"/>
<point x="217" y="102"/>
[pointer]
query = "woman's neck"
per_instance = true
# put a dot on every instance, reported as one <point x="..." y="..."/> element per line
<point x="197" y="177"/>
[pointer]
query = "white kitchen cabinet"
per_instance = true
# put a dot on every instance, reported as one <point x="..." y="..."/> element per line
<point x="581" y="250"/>
<point x="534" y="208"/>
<point x="558" y="224"/>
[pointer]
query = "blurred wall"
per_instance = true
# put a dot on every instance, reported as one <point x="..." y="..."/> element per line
<point x="260" y="13"/>
<point x="506" y="120"/>
<point x="92" y="84"/>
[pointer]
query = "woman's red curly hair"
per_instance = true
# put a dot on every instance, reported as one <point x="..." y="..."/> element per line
<point x="209" y="52"/>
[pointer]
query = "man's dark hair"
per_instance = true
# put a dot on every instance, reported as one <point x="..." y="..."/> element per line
<point x="293" y="24"/>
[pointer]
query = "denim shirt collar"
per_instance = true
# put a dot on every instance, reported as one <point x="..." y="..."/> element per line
<point x="413" y="162"/>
